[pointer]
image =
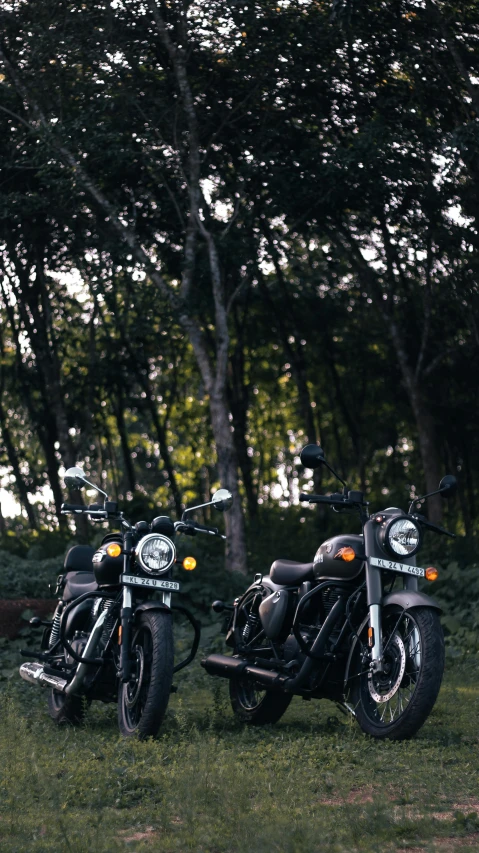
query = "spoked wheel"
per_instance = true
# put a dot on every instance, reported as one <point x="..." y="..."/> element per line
<point x="396" y="702"/>
<point x="257" y="706"/>
<point x="143" y="701"/>
<point x="251" y="703"/>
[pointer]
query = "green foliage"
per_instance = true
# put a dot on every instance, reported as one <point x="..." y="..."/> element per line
<point x="23" y="578"/>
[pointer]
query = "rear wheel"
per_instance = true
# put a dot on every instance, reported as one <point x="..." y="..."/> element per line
<point x="66" y="709"/>
<point x="252" y="703"/>
<point x="257" y="706"/>
<point x="143" y="701"/>
<point x="396" y="702"/>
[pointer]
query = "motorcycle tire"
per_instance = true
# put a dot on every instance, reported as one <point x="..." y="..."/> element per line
<point x="395" y="704"/>
<point x="66" y="709"/>
<point x="143" y="701"/>
<point x="256" y="707"/>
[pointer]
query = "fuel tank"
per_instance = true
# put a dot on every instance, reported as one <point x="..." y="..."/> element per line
<point x="328" y="560"/>
<point x="107" y="569"/>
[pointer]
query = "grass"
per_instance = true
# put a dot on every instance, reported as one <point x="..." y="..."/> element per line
<point x="311" y="783"/>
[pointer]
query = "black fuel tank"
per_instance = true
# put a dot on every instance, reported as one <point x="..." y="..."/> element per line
<point x="328" y="563"/>
<point x="108" y="569"/>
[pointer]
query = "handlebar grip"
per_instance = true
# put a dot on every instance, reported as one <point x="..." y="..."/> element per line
<point x="205" y="528"/>
<point x="74" y="508"/>
<point x="316" y="499"/>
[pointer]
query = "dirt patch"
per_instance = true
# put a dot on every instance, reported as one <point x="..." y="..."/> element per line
<point x="11" y="610"/>
<point x="444" y="845"/>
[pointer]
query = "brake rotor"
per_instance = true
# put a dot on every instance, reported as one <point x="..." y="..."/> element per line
<point x="132" y="691"/>
<point x="383" y="685"/>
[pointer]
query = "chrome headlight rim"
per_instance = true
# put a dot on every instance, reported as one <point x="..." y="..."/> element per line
<point x="141" y="546"/>
<point x="398" y="519"/>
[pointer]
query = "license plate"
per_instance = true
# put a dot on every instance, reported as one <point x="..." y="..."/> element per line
<point x="391" y="566"/>
<point x="172" y="586"/>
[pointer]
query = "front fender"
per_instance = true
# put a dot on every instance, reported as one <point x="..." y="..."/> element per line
<point x="151" y="605"/>
<point x="405" y="598"/>
<point x="409" y="598"/>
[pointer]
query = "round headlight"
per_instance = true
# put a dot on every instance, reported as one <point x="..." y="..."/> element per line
<point x="156" y="553"/>
<point x="403" y="537"/>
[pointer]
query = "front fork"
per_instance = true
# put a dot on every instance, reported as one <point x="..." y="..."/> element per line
<point x="374" y="589"/>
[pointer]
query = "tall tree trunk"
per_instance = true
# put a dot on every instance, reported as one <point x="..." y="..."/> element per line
<point x="228" y="472"/>
<point x="214" y="372"/>
<point x="15" y="466"/>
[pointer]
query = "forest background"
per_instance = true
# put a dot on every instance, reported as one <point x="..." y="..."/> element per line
<point x="228" y="230"/>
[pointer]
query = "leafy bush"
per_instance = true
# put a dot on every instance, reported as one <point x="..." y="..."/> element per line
<point x="21" y="578"/>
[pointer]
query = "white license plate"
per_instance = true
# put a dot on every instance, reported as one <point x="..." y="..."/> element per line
<point x="391" y="566"/>
<point x="173" y="586"/>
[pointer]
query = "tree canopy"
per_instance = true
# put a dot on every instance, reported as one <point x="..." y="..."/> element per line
<point x="229" y="229"/>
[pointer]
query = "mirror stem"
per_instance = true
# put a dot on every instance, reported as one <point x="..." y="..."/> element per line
<point x="334" y="472"/>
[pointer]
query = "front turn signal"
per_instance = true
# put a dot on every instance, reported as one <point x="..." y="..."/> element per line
<point x="114" y="550"/>
<point x="346" y="554"/>
<point x="189" y="563"/>
<point x="431" y="573"/>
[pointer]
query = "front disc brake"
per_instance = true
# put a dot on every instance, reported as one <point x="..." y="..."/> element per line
<point x="383" y="685"/>
<point x="132" y="691"/>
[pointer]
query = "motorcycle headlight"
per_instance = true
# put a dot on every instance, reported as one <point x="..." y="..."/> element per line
<point x="156" y="553"/>
<point x="403" y="537"/>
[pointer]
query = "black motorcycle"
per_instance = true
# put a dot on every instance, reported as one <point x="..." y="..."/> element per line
<point x="351" y="626"/>
<point x="111" y="639"/>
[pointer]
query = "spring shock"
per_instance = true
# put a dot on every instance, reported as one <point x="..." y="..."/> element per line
<point x="55" y="632"/>
<point x="252" y="620"/>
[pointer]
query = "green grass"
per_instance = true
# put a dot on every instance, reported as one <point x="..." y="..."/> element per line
<point x="311" y="783"/>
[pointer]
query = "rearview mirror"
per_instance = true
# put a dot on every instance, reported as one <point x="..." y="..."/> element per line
<point x="312" y="456"/>
<point x="74" y="478"/>
<point x="222" y="500"/>
<point x="448" y="486"/>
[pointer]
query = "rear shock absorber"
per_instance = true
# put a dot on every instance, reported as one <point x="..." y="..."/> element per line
<point x="55" y="632"/>
<point x="252" y="620"/>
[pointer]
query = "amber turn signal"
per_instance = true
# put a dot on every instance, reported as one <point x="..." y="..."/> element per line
<point x="189" y="563"/>
<point x="431" y="573"/>
<point x="114" y="550"/>
<point x="346" y="554"/>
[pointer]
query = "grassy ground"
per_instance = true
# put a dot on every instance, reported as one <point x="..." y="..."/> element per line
<point x="311" y="783"/>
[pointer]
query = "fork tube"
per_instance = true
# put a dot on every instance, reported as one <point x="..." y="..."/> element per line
<point x="126" y="615"/>
<point x="374" y="592"/>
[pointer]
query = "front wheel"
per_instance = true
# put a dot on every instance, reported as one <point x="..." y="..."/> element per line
<point x="396" y="702"/>
<point x="143" y="701"/>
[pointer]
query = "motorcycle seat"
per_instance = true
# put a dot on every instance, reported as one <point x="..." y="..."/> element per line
<point x="78" y="559"/>
<point x="287" y="572"/>
<point x="77" y="583"/>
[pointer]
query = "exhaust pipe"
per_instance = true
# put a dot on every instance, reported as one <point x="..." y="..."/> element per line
<point x="35" y="674"/>
<point x="226" y="667"/>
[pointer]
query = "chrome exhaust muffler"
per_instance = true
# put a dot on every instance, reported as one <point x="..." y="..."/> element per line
<point x="35" y="674"/>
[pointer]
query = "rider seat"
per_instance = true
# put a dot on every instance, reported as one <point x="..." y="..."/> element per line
<point x="289" y="573"/>
<point x="79" y="576"/>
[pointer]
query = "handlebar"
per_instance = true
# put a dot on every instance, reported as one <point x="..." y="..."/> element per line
<point x="435" y="527"/>
<point x="95" y="512"/>
<point x="193" y="527"/>
<point x="74" y="508"/>
<point x="333" y="500"/>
